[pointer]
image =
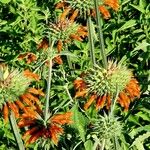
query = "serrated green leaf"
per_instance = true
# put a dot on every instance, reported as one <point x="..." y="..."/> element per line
<point x="127" y="25"/>
<point x="79" y="122"/>
<point x="138" y="8"/>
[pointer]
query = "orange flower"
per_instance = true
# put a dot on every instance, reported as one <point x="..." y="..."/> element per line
<point x="90" y="101"/>
<point x="36" y="91"/>
<point x="114" y="4"/>
<point x="30" y="57"/>
<point x="104" y="12"/>
<point x="37" y="129"/>
<point x="131" y="91"/>
<point x="31" y="75"/>
<point x="76" y="7"/>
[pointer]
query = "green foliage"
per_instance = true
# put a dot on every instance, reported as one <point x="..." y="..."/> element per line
<point x="25" y="23"/>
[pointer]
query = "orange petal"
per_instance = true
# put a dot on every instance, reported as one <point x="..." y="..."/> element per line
<point x="64" y="14"/>
<point x="101" y="102"/>
<point x="104" y="12"/>
<point x="81" y="93"/>
<point x="74" y="15"/>
<point x="43" y="45"/>
<point x="5" y="113"/>
<point x="62" y="118"/>
<point x="108" y="102"/>
<point x="89" y="102"/>
<point x="59" y="46"/>
<point x="114" y="4"/>
<point x="31" y="75"/>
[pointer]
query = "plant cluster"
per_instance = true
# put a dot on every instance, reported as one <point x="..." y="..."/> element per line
<point x="74" y="74"/>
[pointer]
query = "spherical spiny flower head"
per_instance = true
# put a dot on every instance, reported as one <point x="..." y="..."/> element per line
<point x="101" y="81"/>
<point x="62" y="30"/>
<point x="108" y="128"/>
<point x="86" y="7"/>
<point x="13" y="83"/>
<point x="102" y="85"/>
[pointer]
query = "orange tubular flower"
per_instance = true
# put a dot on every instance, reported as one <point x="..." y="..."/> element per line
<point x="64" y="31"/>
<point x="99" y="85"/>
<point x="37" y="129"/>
<point x="104" y="12"/>
<point x="114" y="4"/>
<point x="30" y="57"/>
<point x="31" y="75"/>
<point x="77" y="7"/>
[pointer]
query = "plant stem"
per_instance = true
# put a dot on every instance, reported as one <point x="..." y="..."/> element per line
<point x="91" y="42"/>
<point x="103" y="145"/>
<point x="100" y="34"/>
<point x="48" y="84"/>
<point x="16" y="131"/>
<point x="114" y="102"/>
<point x="69" y="62"/>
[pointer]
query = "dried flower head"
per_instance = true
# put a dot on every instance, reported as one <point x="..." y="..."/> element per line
<point x="37" y="128"/>
<point x="86" y="7"/>
<point x="101" y="84"/>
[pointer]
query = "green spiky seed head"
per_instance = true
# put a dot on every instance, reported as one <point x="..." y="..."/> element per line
<point x="13" y="83"/>
<point x="102" y="81"/>
<point x="62" y="30"/>
<point x="107" y="127"/>
<point x="83" y="6"/>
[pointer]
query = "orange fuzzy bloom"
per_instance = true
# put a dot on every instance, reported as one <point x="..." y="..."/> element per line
<point x="21" y="105"/>
<point x="13" y="109"/>
<point x="58" y="60"/>
<point x="59" y="46"/>
<point x="82" y="31"/>
<point x="62" y="118"/>
<point x="89" y="102"/>
<point x="108" y="102"/>
<point x="34" y="137"/>
<point x="114" y="4"/>
<point x="125" y="100"/>
<point x="60" y="5"/>
<point x="24" y="123"/>
<point x="36" y="91"/>
<point x="79" y="84"/>
<point x="81" y="93"/>
<point x="43" y="45"/>
<point x="74" y="15"/>
<point x="31" y="75"/>
<point x="30" y="132"/>
<point x="101" y="102"/>
<point x="5" y="112"/>
<point x="54" y="132"/>
<point x="76" y="37"/>
<point x="104" y="12"/>
<point x="64" y="14"/>
<point x="27" y="101"/>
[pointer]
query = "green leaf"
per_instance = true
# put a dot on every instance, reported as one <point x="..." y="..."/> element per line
<point x="5" y="1"/>
<point x="128" y="24"/>
<point x="88" y="145"/>
<point x="16" y="131"/>
<point x="136" y="131"/>
<point x="79" y="122"/>
<point x="139" y="141"/>
<point x="138" y="8"/>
